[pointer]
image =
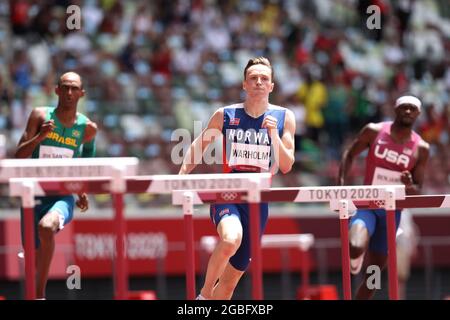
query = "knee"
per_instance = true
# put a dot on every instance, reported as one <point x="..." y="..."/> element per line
<point x="358" y="242"/>
<point x="356" y="251"/>
<point x="229" y="245"/>
<point x="46" y="229"/>
<point x="357" y="247"/>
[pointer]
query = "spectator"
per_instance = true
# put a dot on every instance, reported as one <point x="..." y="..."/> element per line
<point x="313" y="95"/>
<point x="156" y="59"/>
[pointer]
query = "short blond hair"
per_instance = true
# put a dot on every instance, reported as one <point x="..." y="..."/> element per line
<point x="258" y="60"/>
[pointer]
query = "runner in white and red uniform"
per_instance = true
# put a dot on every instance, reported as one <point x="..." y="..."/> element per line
<point x="396" y="155"/>
<point x="387" y="159"/>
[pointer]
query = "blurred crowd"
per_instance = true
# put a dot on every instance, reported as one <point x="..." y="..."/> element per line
<point x="150" y="67"/>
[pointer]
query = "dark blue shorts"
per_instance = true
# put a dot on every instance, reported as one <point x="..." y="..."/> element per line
<point x="62" y="204"/>
<point x="241" y="258"/>
<point x="375" y="222"/>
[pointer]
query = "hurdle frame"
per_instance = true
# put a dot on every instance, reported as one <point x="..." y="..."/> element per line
<point x="397" y="201"/>
<point x="118" y="183"/>
<point x="343" y="204"/>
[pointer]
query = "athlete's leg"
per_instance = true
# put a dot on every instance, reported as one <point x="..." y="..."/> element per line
<point x="227" y="283"/>
<point x="359" y="240"/>
<point x="229" y="229"/>
<point x="241" y="259"/>
<point x="378" y="250"/>
<point x="47" y="227"/>
<point x="374" y="258"/>
<point x="362" y="225"/>
<point x="58" y="215"/>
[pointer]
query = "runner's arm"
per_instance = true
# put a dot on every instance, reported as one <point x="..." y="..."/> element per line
<point x="361" y="142"/>
<point x="35" y="132"/>
<point x="195" y="152"/>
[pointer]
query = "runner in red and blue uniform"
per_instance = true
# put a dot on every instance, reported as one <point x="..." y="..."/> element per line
<point x="396" y="155"/>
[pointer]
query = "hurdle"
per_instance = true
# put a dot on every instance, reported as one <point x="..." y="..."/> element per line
<point x="190" y="190"/>
<point x="340" y="199"/>
<point x="114" y="178"/>
<point x="391" y="197"/>
<point x="24" y="171"/>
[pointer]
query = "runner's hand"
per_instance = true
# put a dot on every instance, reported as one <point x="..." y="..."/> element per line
<point x="270" y="123"/>
<point x="406" y="178"/>
<point x="47" y="127"/>
<point x="83" y="202"/>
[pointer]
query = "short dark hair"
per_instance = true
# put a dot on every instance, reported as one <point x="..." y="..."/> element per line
<point x="258" y="60"/>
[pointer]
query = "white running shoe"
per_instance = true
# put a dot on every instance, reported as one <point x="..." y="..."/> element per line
<point x="356" y="264"/>
<point x="200" y="297"/>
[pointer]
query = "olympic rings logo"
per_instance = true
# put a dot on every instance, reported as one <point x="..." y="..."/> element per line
<point x="380" y="203"/>
<point x="228" y="196"/>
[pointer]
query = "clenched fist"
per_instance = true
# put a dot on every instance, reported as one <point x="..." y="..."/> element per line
<point x="270" y="123"/>
<point x="406" y="178"/>
<point x="83" y="202"/>
<point x="47" y="127"/>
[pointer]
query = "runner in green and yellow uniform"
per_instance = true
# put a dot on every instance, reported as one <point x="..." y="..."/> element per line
<point x="59" y="132"/>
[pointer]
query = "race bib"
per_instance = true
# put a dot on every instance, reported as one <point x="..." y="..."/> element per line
<point x="242" y="154"/>
<point x="385" y="176"/>
<point x="50" y="152"/>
